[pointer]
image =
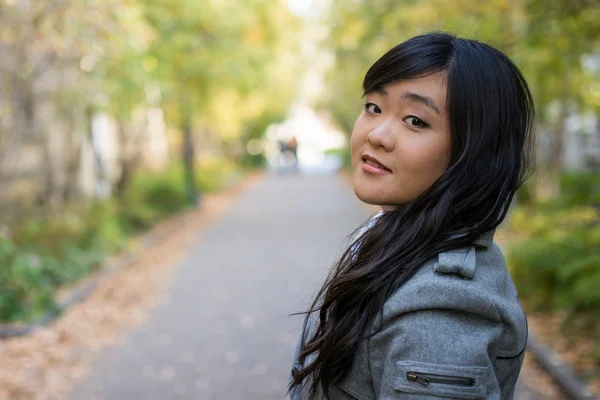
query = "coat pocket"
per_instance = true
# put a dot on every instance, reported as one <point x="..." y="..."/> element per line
<point x="452" y="381"/>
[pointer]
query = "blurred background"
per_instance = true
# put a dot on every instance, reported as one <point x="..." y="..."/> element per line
<point x="116" y="114"/>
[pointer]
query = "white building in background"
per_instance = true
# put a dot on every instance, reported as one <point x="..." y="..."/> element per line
<point x="582" y="142"/>
<point x="315" y="138"/>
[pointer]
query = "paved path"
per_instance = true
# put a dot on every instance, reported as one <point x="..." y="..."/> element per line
<point x="225" y="332"/>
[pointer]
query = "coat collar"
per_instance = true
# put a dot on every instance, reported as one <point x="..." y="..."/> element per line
<point x="486" y="239"/>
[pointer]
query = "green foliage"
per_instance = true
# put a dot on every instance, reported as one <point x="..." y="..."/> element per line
<point x="222" y="63"/>
<point x="150" y="197"/>
<point x="580" y="188"/>
<point x="226" y="68"/>
<point x="525" y="194"/>
<point x="254" y="161"/>
<point x="559" y="270"/>
<point x="554" y="256"/>
<point x="45" y="254"/>
<point x="215" y="172"/>
<point x="26" y="282"/>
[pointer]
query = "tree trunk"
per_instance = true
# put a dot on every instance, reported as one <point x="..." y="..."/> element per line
<point x="127" y="160"/>
<point x="192" y="191"/>
<point x="188" y="153"/>
<point x="33" y="131"/>
<point x="558" y="143"/>
<point x="48" y="194"/>
<point x="555" y="159"/>
<point x="70" y="187"/>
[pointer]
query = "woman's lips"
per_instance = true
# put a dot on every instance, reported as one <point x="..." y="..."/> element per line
<point x="372" y="166"/>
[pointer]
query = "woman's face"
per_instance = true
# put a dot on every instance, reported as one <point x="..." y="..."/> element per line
<point x="401" y="141"/>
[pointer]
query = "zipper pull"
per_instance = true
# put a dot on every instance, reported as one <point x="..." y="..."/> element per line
<point x="413" y="377"/>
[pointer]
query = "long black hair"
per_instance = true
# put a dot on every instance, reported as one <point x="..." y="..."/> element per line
<point x="491" y="113"/>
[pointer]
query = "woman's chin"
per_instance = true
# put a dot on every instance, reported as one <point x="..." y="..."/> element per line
<point x="367" y="196"/>
<point x="370" y="195"/>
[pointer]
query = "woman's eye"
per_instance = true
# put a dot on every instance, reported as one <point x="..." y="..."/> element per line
<point x="372" y="108"/>
<point x="415" y="121"/>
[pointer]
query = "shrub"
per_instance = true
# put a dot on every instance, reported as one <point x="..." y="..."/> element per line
<point x="559" y="269"/>
<point x="214" y="172"/>
<point x="152" y="196"/>
<point x="44" y="254"/>
<point x="555" y="257"/>
<point x="580" y="188"/>
<point x="26" y="284"/>
<point x="525" y="194"/>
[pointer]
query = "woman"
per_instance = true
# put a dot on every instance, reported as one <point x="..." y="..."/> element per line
<point x="420" y="305"/>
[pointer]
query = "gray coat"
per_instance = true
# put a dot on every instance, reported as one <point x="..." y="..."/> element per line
<point x="454" y="330"/>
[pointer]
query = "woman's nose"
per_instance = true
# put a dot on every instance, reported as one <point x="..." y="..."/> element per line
<point x="382" y="136"/>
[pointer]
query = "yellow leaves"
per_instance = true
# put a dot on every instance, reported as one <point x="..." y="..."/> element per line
<point x="228" y="111"/>
<point x="402" y="22"/>
<point x="133" y="28"/>
<point x="254" y="105"/>
<point x="216" y="163"/>
<point x="223" y="114"/>
<point x="149" y="63"/>
<point x="253" y="35"/>
<point x="354" y="29"/>
<point x="592" y="94"/>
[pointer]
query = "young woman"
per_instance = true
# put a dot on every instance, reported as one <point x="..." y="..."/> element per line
<point x="420" y="305"/>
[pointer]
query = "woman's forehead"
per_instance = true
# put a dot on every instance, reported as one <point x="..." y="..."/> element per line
<point x="435" y="83"/>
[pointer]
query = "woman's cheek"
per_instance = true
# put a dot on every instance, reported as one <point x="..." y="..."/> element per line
<point x="424" y="154"/>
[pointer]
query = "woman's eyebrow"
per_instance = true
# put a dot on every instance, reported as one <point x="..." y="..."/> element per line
<point x="419" y="98"/>
<point x="412" y="96"/>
